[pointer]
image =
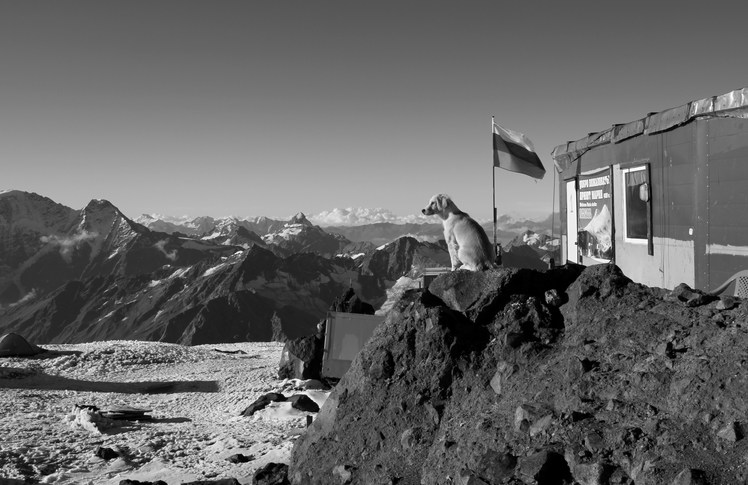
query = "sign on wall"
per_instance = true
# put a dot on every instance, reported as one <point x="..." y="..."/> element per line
<point x="595" y="215"/>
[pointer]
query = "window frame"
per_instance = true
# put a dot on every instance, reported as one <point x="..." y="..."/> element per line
<point x="624" y="196"/>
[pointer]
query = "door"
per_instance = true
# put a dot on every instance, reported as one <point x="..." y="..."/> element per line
<point x="572" y="253"/>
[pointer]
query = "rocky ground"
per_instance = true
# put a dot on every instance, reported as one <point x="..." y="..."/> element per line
<point x="570" y="376"/>
<point x="195" y="396"/>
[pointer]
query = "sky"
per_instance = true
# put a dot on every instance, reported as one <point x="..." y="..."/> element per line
<point x="252" y="108"/>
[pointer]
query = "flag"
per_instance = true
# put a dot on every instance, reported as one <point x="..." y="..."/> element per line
<point x="513" y="151"/>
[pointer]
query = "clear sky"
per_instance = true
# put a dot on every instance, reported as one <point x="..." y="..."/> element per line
<point x="254" y="108"/>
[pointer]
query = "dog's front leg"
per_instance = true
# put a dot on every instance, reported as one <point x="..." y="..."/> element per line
<point x="453" y="247"/>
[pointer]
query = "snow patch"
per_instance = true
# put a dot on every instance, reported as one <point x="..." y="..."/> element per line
<point x="178" y="220"/>
<point x="180" y="272"/>
<point x="214" y="269"/>
<point x="531" y="238"/>
<point x="107" y="315"/>
<point x="288" y="232"/>
<point x="351" y="256"/>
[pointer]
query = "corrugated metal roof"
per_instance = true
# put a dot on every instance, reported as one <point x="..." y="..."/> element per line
<point x="732" y="100"/>
<point x="734" y="103"/>
<point x="665" y="120"/>
<point x="701" y="107"/>
<point x="628" y="130"/>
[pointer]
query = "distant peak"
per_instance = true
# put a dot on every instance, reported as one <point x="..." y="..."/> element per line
<point x="100" y="205"/>
<point x="300" y="218"/>
<point x="357" y="216"/>
<point x="25" y="198"/>
<point x="19" y="193"/>
<point x="101" y="211"/>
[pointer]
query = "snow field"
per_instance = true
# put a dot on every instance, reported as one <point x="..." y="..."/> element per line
<point x="195" y="395"/>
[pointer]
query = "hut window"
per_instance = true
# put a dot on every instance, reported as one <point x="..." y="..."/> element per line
<point x="636" y="196"/>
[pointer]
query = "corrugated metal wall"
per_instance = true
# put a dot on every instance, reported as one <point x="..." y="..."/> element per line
<point x="699" y="175"/>
<point x="727" y="199"/>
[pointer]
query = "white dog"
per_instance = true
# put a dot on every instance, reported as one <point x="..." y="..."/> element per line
<point x="467" y="242"/>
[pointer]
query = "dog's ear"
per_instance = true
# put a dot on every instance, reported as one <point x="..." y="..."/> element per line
<point x="442" y="201"/>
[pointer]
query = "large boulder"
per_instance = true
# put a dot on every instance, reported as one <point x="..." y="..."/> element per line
<point x="302" y="358"/>
<point x="565" y="376"/>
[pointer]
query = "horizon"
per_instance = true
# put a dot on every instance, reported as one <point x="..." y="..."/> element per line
<point x="358" y="215"/>
<point x="264" y="108"/>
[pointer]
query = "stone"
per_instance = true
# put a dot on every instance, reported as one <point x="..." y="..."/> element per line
<point x="302" y="402"/>
<point x="467" y="477"/>
<point x="691" y="297"/>
<point x="496" y="383"/>
<point x="106" y="453"/>
<point x="382" y="365"/>
<point x="553" y="298"/>
<point x="527" y="414"/>
<point x="496" y="466"/>
<point x="726" y="302"/>
<point x="731" y="432"/>
<point x="271" y="474"/>
<point x="540" y="425"/>
<point x="239" y="458"/>
<point x="545" y="468"/>
<point x="262" y="402"/>
<point x="343" y="474"/>
<point x="589" y="473"/>
<point x="594" y="442"/>
<point x="302" y="358"/>
<point x="690" y="476"/>
<point x="619" y="477"/>
<point x="410" y="438"/>
<point x="433" y="413"/>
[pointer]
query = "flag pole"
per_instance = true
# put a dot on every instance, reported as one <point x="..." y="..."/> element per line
<point x="493" y="178"/>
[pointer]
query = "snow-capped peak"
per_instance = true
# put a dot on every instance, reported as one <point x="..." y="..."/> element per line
<point x="300" y="218"/>
<point x="145" y="219"/>
<point x="531" y="238"/>
<point x="101" y="220"/>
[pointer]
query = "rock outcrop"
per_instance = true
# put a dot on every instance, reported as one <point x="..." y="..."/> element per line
<point x="568" y="376"/>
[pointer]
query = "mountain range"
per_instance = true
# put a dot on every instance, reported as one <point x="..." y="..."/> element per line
<point x="377" y="226"/>
<point x="70" y="276"/>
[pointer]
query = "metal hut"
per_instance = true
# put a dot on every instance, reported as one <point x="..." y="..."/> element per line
<point x="664" y="197"/>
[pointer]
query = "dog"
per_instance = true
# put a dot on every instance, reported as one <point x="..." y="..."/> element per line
<point x="467" y="242"/>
